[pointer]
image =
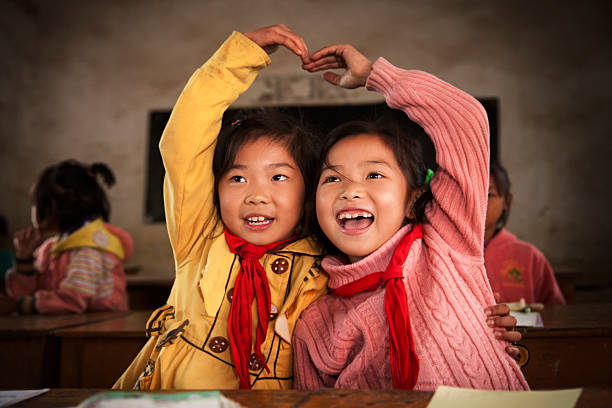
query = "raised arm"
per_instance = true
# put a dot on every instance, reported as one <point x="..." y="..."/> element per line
<point x="456" y="123"/>
<point x="458" y="127"/>
<point x="188" y="142"/>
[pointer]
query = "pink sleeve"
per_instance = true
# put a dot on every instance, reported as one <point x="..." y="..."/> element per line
<point x="84" y="281"/>
<point x="18" y="284"/>
<point x="459" y="129"/>
<point x="547" y="290"/>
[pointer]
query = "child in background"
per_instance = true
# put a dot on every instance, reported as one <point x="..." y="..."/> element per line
<point x="235" y="216"/>
<point x="79" y="269"/>
<point x="516" y="269"/>
<point x="409" y="286"/>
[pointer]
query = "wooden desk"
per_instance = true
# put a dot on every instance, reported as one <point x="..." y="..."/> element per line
<point x="590" y="398"/>
<point x="29" y="351"/>
<point x="573" y="349"/>
<point x="95" y="355"/>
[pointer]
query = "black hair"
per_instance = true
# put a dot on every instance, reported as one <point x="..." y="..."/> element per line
<point x="301" y="143"/>
<point x="414" y="152"/>
<point x="500" y="178"/>
<point x="68" y="194"/>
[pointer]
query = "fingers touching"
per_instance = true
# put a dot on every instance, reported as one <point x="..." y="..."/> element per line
<point x="341" y="56"/>
<point x="271" y="37"/>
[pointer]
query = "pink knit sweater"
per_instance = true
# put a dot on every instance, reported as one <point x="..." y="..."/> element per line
<point x="343" y="342"/>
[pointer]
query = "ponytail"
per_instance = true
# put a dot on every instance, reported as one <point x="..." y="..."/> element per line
<point x="101" y="169"/>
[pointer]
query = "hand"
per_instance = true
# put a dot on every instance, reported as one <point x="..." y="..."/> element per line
<point x="498" y="317"/>
<point x="269" y="38"/>
<point x="357" y="66"/>
<point x="26" y="241"/>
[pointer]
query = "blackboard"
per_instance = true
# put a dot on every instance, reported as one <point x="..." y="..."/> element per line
<point x="320" y="118"/>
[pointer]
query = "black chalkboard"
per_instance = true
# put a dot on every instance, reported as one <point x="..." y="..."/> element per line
<point x="320" y="118"/>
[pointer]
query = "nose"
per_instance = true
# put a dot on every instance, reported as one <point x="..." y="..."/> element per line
<point x="352" y="190"/>
<point x="257" y="195"/>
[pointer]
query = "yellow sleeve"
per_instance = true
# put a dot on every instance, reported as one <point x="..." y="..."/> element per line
<point x="188" y="142"/>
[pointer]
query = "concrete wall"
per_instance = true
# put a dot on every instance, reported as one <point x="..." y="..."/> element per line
<point x="79" y="77"/>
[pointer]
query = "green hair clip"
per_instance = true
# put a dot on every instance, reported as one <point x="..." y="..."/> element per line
<point x="428" y="177"/>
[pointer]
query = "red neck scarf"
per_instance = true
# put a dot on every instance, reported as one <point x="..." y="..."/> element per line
<point x="251" y="283"/>
<point x="404" y="361"/>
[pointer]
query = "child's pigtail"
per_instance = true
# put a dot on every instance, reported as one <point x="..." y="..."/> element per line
<point x="104" y="171"/>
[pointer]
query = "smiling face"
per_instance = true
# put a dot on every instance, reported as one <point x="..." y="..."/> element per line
<point x="261" y="196"/>
<point x="363" y="197"/>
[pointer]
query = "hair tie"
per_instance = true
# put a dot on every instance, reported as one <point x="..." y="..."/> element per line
<point x="236" y="123"/>
<point x="428" y="177"/>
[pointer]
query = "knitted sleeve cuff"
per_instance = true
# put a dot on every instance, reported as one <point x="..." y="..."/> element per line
<point x="27" y="305"/>
<point x="25" y="266"/>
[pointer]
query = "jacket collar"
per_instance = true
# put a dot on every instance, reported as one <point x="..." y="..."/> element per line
<point x="92" y="235"/>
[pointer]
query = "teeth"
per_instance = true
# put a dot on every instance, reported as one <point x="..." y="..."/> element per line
<point x="348" y="216"/>
<point x="258" y="220"/>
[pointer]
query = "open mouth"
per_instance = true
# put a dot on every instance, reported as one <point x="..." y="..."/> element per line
<point x="258" y="220"/>
<point x="354" y="220"/>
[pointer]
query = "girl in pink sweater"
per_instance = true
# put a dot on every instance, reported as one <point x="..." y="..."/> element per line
<point x="409" y="287"/>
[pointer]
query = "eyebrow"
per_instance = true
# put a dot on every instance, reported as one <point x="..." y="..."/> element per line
<point x="269" y="166"/>
<point x="368" y="162"/>
<point x="330" y="167"/>
<point x="365" y="163"/>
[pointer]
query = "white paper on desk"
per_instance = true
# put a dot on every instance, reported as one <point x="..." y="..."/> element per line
<point x="531" y="319"/>
<point x="196" y="399"/>
<point x="11" y="397"/>
<point x="446" y="397"/>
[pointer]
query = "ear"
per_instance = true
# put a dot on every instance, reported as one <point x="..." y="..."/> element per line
<point x="508" y="201"/>
<point x="411" y="199"/>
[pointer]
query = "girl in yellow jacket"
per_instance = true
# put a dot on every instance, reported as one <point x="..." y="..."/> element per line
<point x="235" y="215"/>
<point x="236" y="211"/>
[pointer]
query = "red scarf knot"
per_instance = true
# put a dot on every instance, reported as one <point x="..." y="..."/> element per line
<point x="251" y="283"/>
<point x="404" y="365"/>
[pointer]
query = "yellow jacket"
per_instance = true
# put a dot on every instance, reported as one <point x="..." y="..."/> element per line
<point x="189" y="341"/>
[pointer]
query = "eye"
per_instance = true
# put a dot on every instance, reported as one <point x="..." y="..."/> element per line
<point x="237" y="179"/>
<point x="279" y="177"/>
<point x="330" y="179"/>
<point x="374" y="175"/>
